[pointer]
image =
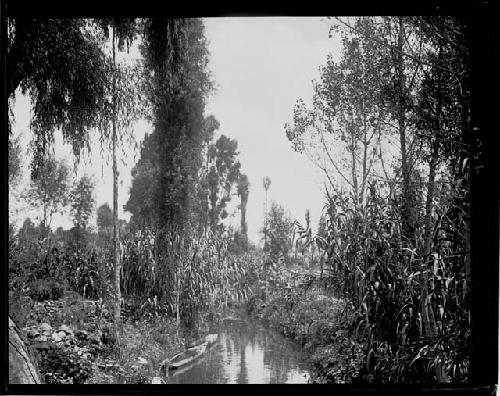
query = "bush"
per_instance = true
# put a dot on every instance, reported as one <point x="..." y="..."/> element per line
<point x="60" y="367"/>
<point x="45" y="289"/>
<point x="20" y="307"/>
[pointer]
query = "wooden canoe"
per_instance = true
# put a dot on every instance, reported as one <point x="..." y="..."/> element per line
<point x="190" y="354"/>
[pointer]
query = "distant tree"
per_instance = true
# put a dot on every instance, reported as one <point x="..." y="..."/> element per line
<point x="222" y="177"/>
<point x="105" y="220"/>
<point x="82" y="201"/>
<point x="201" y="207"/>
<point x="50" y="189"/>
<point x="28" y="231"/>
<point x="143" y="197"/>
<point x="279" y="233"/>
<point x="82" y="206"/>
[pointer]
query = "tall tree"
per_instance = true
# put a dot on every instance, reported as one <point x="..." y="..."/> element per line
<point x="243" y="191"/>
<point x="224" y="172"/>
<point x="266" y="183"/>
<point x="124" y="109"/>
<point x="176" y="59"/>
<point x="82" y="205"/>
<point x="341" y="133"/>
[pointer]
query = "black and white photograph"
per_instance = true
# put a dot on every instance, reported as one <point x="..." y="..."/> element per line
<point x="240" y="200"/>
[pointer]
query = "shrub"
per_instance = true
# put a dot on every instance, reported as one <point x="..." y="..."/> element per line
<point x="45" y="289"/>
<point x="58" y="366"/>
<point x="20" y="307"/>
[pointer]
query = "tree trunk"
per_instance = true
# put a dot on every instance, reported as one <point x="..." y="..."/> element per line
<point x="116" y="247"/>
<point x="244" y="228"/>
<point x="21" y="367"/>
<point x="407" y="216"/>
<point x="265" y="222"/>
<point x="428" y="204"/>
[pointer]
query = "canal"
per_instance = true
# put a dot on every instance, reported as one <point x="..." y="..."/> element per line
<point x="246" y="352"/>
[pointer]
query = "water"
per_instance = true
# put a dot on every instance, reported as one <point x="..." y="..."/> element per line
<point x="244" y="353"/>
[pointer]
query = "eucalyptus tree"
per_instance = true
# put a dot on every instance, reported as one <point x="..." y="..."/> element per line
<point x="243" y="191"/>
<point x="222" y="177"/>
<point x="124" y="108"/>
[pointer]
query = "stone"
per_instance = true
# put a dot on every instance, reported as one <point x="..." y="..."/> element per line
<point x="56" y="337"/>
<point x="43" y="338"/>
<point x="81" y="334"/>
<point x="66" y="329"/>
<point x="33" y="333"/>
<point x="142" y="360"/>
<point x="45" y="327"/>
<point x="62" y="334"/>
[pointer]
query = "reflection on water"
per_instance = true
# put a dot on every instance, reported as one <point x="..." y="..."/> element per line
<point x="246" y="353"/>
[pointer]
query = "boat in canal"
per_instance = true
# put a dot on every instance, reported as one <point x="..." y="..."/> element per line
<point x="190" y="354"/>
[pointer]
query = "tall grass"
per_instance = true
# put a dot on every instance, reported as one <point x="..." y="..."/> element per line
<point x="411" y="309"/>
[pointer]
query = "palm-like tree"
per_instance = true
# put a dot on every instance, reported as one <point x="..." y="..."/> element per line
<point x="266" y="183"/>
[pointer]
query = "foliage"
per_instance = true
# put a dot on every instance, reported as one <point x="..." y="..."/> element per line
<point x="176" y="58"/>
<point x="82" y="201"/>
<point x="50" y="188"/>
<point x="15" y="161"/>
<point x="20" y="307"/>
<point x="104" y="219"/>
<point x="45" y="289"/>
<point x="60" y="63"/>
<point x="397" y="246"/>
<point x="90" y="271"/>
<point x="190" y="275"/>
<point x="342" y="130"/>
<point x="223" y="174"/>
<point x="60" y="367"/>
<point x="280" y="230"/>
<point x="384" y="278"/>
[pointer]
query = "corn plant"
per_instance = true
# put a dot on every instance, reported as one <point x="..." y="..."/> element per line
<point x="411" y="310"/>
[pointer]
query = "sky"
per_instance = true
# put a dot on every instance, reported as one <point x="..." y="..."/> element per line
<point x="261" y="66"/>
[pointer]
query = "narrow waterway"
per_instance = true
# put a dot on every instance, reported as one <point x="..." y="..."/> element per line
<point x="246" y="352"/>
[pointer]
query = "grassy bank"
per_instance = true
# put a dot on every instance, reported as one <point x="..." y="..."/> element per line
<point x="318" y="321"/>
